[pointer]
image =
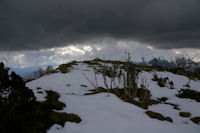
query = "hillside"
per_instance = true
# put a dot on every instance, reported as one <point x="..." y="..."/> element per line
<point x="103" y="110"/>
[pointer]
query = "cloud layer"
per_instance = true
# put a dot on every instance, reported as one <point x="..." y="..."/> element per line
<point x="39" y="24"/>
<point x="57" y="56"/>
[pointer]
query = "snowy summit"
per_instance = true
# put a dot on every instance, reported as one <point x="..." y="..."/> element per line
<point x="106" y="112"/>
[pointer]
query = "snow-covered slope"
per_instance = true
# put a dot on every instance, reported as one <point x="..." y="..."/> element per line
<point x="106" y="113"/>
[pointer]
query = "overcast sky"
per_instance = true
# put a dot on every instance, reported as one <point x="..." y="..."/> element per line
<point x="36" y="24"/>
<point x="41" y="32"/>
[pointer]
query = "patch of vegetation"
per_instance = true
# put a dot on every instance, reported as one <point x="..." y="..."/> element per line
<point x="163" y="99"/>
<point x="158" y="68"/>
<point x="92" y="63"/>
<point x="144" y="96"/>
<point x="185" y="114"/>
<point x="161" y="82"/>
<point x="44" y="116"/>
<point x="174" y="105"/>
<point x="171" y="84"/>
<point x="187" y="93"/>
<point x="196" y="120"/>
<point x="153" y="102"/>
<point x="158" y="116"/>
<point x="108" y="61"/>
<point x="64" y="68"/>
<point x="52" y="101"/>
<point x="61" y="118"/>
<point x="83" y="85"/>
<point x="121" y="95"/>
<point x="50" y="70"/>
<point x="155" y="77"/>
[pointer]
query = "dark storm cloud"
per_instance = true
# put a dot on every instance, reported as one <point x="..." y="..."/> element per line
<point x="36" y="24"/>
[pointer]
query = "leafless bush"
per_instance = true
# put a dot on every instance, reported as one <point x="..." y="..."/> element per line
<point x="130" y="77"/>
<point x="90" y="81"/>
<point x="171" y="84"/>
<point x="144" y="93"/>
<point x="95" y="77"/>
<point x="127" y="78"/>
<point x="122" y="76"/>
<point x="188" y="82"/>
<point x="155" y="77"/>
<point x="114" y="73"/>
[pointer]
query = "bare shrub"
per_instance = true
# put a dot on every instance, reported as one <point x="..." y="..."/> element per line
<point x="155" y="77"/>
<point x="144" y="92"/>
<point x="129" y="76"/>
<point x="161" y="82"/>
<point x="171" y="84"/>
<point x="90" y="81"/>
